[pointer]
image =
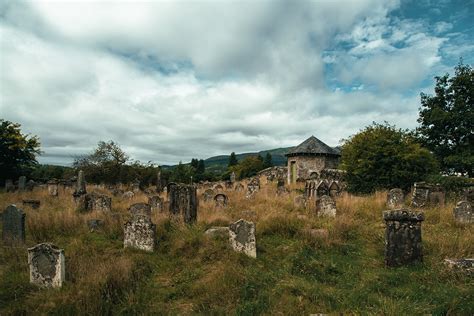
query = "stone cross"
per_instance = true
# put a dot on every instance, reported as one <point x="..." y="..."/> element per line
<point x="140" y="233"/>
<point x="463" y="213"/>
<point x="403" y="237"/>
<point x="221" y="200"/>
<point x="326" y="206"/>
<point x="156" y="203"/>
<point x="47" y="265"/>
<point x="13" y="228"/>
<point x="395" y="199"/>
<point x="183" y="202"/>
<point x="242" y="237"/>
<point x="22" y="183"/>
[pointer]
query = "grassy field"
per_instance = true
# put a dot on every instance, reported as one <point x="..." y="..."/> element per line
<point x="190" y="273"/>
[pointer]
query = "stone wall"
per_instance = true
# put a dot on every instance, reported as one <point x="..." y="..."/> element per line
<point x="310" y="167"/>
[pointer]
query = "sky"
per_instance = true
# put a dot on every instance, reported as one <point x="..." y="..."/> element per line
<point x="174" y="80"/>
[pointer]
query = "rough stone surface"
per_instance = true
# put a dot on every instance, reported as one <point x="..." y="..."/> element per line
<point x="94" y="202"/>
<point x="13" y="226"/>
<point x="334" y="189"/>
<point x="22" y="183"/>
<point x="403" y="237"/>
<point x="156" y="203"/>
<point x="53" y="188"/>
<point x="316" y="188"/>
<point x="427" y="194"/>
<point x="34" y="204"/>
<point x="465" y="265"/>
<point x="183" y="202"/>
<point x="80" y="184"/>
<point x="242" y="237"/>
<point x="395" y="199"/>
<point x="142" y="209"/>
<point x="221" y="200"/>
<point x="159" y="183"/>
<point x="217" y="231"/>
<point x="463" y="213"/>
<point x="252" y="187"/>
<point x="95" y="224"/>
<point x="239" y="187"/>
<point x="326" y="206"/>
<point x="208" y="195"/>
<point x="140" y="233"/>
<point x="47" y="265"/>
<point x="301" y="201"/>
<point x="128" y="195"/>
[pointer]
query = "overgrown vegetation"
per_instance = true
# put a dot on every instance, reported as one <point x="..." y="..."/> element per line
<point x="190" y="273"/>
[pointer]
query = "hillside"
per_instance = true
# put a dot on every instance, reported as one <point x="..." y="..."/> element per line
<point x="278" y="157"/>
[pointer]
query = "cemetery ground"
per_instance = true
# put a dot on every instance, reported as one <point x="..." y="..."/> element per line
<point x="297" y="270"/>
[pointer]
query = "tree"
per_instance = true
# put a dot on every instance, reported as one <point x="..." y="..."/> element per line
<point x="17" y="151"/>
<point x="201" y="167"/>
<point x="248" y="167"/>
<point x="233" y="160"/>
<point x="447" y="121"/>
<point x="267" y="162"/>
<point x="383" y="157"/>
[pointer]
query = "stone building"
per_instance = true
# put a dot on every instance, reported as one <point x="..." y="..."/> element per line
<point x="309" y="159"/>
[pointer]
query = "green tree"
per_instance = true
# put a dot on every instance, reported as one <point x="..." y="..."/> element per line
<point x="447" y="120"/>
<point x="17" y="151"/>
<point x="383" y="157"/>
<point x="248" y="167"/>
<point x="267" y="162"/>
<point x="201" y="167"/>
<point x="233" y="159"/>
<point x="182" y="173"/>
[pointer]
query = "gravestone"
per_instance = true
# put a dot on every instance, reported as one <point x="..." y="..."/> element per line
<point x="403" y="237"/>
<point x="34" y="204"/>
<point x="281" y="189"/>
<point x="221" y="200"/>
<point x="22" y="183"/>
<point x="322" y="189"/>
<point x="9" y="186"/>
<point x="93" y="202"/>
<point x="334" y="189"/>
<point x="30" y="185"/>
<point x="232" y="177"/>
<point x="156" y="203"/>
<point x="464" y="265"/>
<point x="53" y="188"/>
<point x="47" y="265"/>
<point x="13" y="226"/>
<point x="463" y="213"/>
<point x="140" y="233"/>
<point x="421" y="193"/>
<point x="159" y="184"/>
<point x="80" y="190"/>
<point x="239" y="187"/>
<point x="183" y="202"/>
<point x="300" y="201"/>
<point x="208" y="195"/>
<point x="242" y="237"/>
<point x="395" y="199"/>
<point x="128" y="195"/>
<point x="326" y="206"/>
<point x="142" y="209"/>
<point x="252" y="187"/>
<point x="218" y="188"/>
<point x="95" y="224"/>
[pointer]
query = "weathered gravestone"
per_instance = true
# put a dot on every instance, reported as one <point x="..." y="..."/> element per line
<point x="142" y="209"/>
<point x="403" y="237"/>
<point x="22" y="183"/>
<point x="239" y="187"/>
<point x="13" y="228"/>
<point x="208" y="195"/>
<point x="334" y="189"/>
<point x="156" y="203"/>
<point x="232" y="177"/>
<point x="183" y="202"/>
<point x="463" y="213"/>
<point x="395" y="199"/>
<point x="326" y="206"/>
<point x="53" y="188"/>
<point x="421" y="192"/>
<point x="80" y="187"/>
<point x="242" y="237"/>
<point x="221" y="200"/>
<point x="30" y="185"/>
<point x="300" y="201"/>
<point x="464" y="265"/>
<point x="34" y="204"/>
<point x="94" y="202"/>
<point x="9" y="186"/>
<point x="140" y="233"/>
<point x="252" y="187"/>
<point x="281" y="189"/>
<point x="47" y="265"/>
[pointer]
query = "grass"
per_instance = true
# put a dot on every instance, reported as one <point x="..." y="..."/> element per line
<point x="191" y="273"/>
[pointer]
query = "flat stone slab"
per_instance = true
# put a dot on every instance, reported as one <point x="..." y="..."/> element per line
<point x="217" y="231"/>
<point x="466" y="265"/>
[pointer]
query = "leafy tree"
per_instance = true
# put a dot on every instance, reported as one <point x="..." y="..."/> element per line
<point x="201" y="167"/>
<point x="383" y="157"/>
<point x="182" y="173"/>
<point x="233" y="159"/>
<point x="248" y="167"/>
<point x="194" y="163"/>
<point x="267" y="162"/>
<point x="17" y="151"/>
<point x="447" y="121"/>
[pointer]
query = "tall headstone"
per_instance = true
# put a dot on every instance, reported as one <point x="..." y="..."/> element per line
<point x="403" y="237"/>
<point x="80" y="188"/>
<point x="183" y="202"/>
<point x="13" y="228"/>
<point x="326" y="206"/>
<point x="9" y="186"/>
<point x="140" y="233"/>
<point x="395" y="199"/>
<point x="156" y="203"/>
<point x="53" y="188"/>
<point x="334" y="189"/>
<point x="463" y="213"/>
<point x="242" y="237"/>
<point x="159" y="184"/>
<point x="22" y="183"/>
<point x="47" y="265"/>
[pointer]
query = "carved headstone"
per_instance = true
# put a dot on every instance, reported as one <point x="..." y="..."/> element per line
<point x="334" y="189"/>
<point x="156" y="203"/>
<point x="22" y="183"/>
<point x="9" y="186"/>
<point x="252" y="187"/>
<point x="208" y="195"/>
<point x="395" y="199"/>
<point x="221" y="200"/>
<point x="53" y="188"/>
<point x="47" y="265"/>
<point x="13" y="228"/>
<point x="242" y="237"/>
<point x="183" y="202"/>
<point x="403" y="237"/>
<point x="34" y="204"/>
<point x="463" y="213"/>
<point x="142" y="209"/>
<point x="140" y="233"/>
<point x="326" y="206"/>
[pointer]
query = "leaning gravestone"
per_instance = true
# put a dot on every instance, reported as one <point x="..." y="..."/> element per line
<point x="395" y="199"/>
<point x="463" y="213"/>
<point x="242" y="237"/>
<point x="140" y="233"/>
<point x="47" y="265"/>
<point x="326" y="206"/>
<point x="403" y="237"/>
<point x="221" y="200"/>
<point x="13" y="228"/>
<point x="156" y="203"/>
<point x="183" y="202"/>
<point x="53" y="188"/>
<point x="22" y="183"/>
<point x="142" y="209"/>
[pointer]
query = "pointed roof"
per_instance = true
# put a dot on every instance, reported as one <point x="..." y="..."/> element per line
<point x="313" y="146"/>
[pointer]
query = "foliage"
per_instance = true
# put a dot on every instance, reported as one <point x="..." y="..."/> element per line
<point x="232" y="160"/>
<point x="267" y="162"/>
<point x="46" y="172"/>
<point x="451" y="184"/>
<point x="248" y="167"/>
<point x="447" y="120"/>
<point x="17" y="151"/>
<point x="383" y="157"/>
